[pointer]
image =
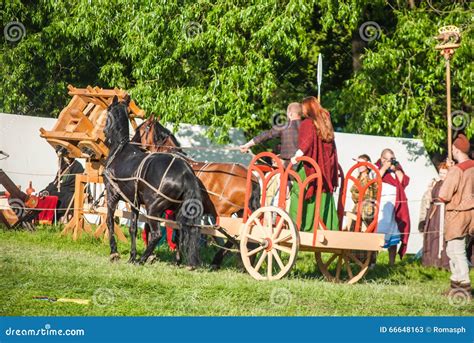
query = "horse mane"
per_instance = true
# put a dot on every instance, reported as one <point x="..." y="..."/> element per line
<point x="137" y="136"/>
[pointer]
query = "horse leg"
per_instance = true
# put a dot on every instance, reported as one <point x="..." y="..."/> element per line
<point x="133" y="236"/>
<point x="178" y="247"/>
<point x="112" y="201"/>
<point x="189" y="239"/>
<point x="154" y="238"/>
<point x="219" y="256"/>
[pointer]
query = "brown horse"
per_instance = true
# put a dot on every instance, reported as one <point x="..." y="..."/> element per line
<point x="224" y="183"/>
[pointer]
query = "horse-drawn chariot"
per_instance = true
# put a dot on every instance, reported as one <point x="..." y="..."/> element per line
<point x="268" y="238"/>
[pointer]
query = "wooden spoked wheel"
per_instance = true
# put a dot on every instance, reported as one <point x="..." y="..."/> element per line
<point x="346" y="266"/>
<point x="269" y="243"/>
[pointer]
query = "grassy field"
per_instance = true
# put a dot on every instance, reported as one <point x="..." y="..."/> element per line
<point x="45" y="264"/>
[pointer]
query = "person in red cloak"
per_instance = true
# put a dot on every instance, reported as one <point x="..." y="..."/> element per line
<point x="316" y="140"/>
<point x="393" y="174"/>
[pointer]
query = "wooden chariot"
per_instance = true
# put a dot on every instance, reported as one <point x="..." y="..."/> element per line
<point x="270" y="239"/>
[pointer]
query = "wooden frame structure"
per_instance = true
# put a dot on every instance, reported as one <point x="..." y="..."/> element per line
<point x="80" y="130"/>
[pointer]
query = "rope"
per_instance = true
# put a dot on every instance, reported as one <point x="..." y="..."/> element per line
<point x="135" y="178"/>
<point x="223" y="248"/>
<point x="189" y="147"/>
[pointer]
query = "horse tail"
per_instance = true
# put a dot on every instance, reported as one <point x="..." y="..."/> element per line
<point x="254" y="202"/>
<point x="189" y="215"/>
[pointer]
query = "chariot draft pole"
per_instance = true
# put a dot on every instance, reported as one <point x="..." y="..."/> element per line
<point x="449" y="38"/>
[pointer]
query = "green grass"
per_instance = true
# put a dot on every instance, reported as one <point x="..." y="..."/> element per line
<point x="45" y="264"/>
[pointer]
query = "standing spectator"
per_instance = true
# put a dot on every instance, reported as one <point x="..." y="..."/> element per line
<point x="434" y="246"/>
<point x="457" y="192"/>
<point x="316" y="140"/>
<point x="394" y="217"/>
<point x="64" y="184"/>
<point x="368" y="205"/>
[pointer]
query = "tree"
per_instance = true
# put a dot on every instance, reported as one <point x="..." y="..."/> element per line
<point x="400" y="90"/>
<point x="226" y="64"/>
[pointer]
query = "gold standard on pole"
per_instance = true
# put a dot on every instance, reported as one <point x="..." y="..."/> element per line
<point x="449" y="38"/>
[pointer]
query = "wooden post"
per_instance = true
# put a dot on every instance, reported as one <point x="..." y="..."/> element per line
<point x="450" y="39"/>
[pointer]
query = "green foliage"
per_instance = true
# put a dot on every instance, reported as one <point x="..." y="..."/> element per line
<point x="400" y="91"/>
<point x="236" y="63"/>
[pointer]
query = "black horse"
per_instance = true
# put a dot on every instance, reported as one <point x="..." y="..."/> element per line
<point x="224" y="185"/>
<point x="157" y="181"/>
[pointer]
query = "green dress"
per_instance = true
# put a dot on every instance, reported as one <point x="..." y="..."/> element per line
<point x="328" y="211"/>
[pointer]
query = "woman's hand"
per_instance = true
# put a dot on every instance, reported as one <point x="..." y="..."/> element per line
<point x="298" y="153"/>
<point x="244" y="149"/>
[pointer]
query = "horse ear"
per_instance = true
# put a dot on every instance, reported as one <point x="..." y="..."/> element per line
<point x="115" y="100"/>
<point x="126" y="99"/>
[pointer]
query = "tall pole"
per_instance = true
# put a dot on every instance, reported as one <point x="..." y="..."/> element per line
<point x="450" y="39"/>
<point x="320" y="76"/>
<point x="448" y="108"/>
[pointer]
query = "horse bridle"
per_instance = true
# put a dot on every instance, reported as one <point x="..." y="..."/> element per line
<point x="145" y="133"/>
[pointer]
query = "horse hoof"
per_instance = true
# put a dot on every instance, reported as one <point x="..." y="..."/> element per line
<point x="214" y="267"/>
<point x="132" y="260"/>
<point x="115" y="257"/>
<point x="191" y="268"/>
<point x="151" y="259"/>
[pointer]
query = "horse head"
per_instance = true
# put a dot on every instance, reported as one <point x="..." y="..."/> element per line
<point x="116" y="126"/>
<point x="155" y="137"/>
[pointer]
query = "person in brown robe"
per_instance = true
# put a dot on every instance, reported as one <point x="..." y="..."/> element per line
<point x="457" y="192"/>
<point x="430" y="220"/>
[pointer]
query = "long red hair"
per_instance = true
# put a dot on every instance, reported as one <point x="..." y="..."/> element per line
<point x="313" y="110"/>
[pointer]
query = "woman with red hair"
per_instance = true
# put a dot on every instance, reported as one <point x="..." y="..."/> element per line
<point x="316" y="140"/>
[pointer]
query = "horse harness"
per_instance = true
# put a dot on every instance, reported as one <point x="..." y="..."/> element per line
<point x="138" y="177"/>
<point x="220" y="196"/>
